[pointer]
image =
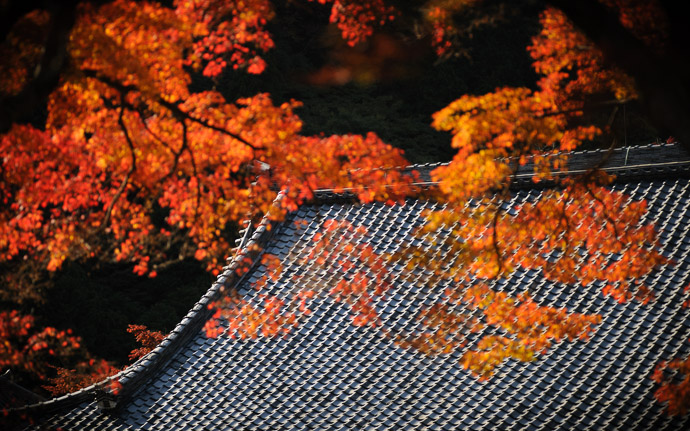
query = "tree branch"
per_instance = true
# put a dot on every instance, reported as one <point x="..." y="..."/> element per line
<point x="156" y="137"/>
<point x="584" y="107"/>
<point x="185" y="146"/>
<point x="34" y="94"/>
<point x="173" y="108"/>
<point x="603" y="209"/>
<point x="132" y="167"/>
<point x="661" y="79"/>
<point x="497" y="249"/>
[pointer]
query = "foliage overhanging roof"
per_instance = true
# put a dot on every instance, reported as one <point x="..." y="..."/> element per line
<point x="329" y="374"/>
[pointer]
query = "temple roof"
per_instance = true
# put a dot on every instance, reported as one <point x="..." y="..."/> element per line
<point x="329" y="374"/>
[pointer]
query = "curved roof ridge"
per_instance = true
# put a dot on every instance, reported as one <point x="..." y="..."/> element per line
<point x="145" y="367"/>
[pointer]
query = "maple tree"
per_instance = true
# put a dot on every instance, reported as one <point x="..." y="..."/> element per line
<point x="132" y="165"/>
<point x="568" y="233"/>
<point x="58" y="358"/>
<point x="125" y="138"/>
<point x="126" y="143"/>
<point x="48" y="355"/>
<point x="147" y="338"/>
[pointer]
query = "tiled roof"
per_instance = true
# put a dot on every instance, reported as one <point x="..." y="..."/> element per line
<point x="12" y="394"/>
<point x="330" y="375"/>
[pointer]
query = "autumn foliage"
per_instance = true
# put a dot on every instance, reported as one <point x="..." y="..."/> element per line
<point x="134" y="165"/>
<point x="58" y="358"/>
<point x="674" y="392"/>
<point x="569" y="233"/>
<point x="48" y="355"/>
<point x="147" y="338"/>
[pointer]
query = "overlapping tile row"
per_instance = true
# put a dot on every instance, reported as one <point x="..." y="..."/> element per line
<point x="328" y="374"/>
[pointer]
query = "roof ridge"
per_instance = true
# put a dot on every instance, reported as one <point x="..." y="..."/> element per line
<point x="674" y="144"/>
<point x="626" y="163"/>
<point x="579" y="160"/>
<point x="145" y="367"/>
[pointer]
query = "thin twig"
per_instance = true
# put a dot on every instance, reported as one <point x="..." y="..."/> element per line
<point x="606" y="215"/>
<point x="155" y="136"/>
<point x="175" y="109"/>
<point x="185" y="146"/>
<point x="499" y="210"/>
<point x="496" y="247"/>
<point x="615" y="103"/>
<point x="541" y="114"/>
<point x="605" y="158"/>
<point x="132" y="167"/>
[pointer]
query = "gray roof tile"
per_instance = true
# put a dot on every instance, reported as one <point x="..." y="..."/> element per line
<point x="328" y="374"/>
